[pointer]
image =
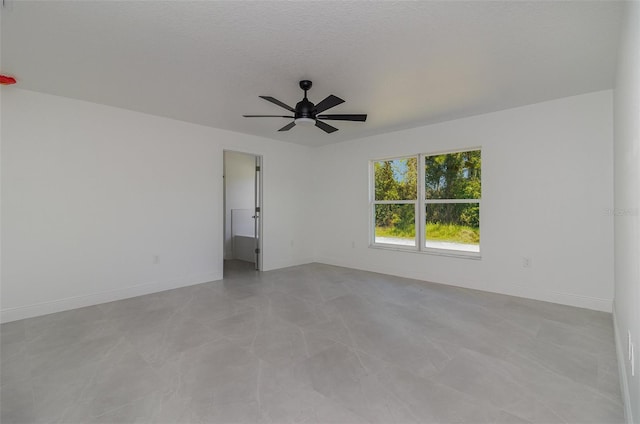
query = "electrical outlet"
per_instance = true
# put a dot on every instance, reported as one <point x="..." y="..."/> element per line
<point x="526" y="262"/>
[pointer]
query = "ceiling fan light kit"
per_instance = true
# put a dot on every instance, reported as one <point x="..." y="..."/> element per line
<point x="307" y="114"/>
<point x="306" y="122"/>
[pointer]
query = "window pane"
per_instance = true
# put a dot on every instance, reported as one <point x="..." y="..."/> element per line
<point x="453" y="175"/>
<point x="395" y="224"/>
<point x="396" y="179"/>
<point x="454" y="226"/>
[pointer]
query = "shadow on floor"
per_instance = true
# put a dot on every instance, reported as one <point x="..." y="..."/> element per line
<point x="236" y="267"/>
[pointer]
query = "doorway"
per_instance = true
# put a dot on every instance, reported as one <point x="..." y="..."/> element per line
<point x="242" y="211"/>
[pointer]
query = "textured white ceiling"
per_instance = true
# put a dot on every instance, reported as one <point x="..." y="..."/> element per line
<point x="406" y="64"/>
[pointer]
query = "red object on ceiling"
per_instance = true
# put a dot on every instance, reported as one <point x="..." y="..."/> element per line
<point x="7" y="80"/>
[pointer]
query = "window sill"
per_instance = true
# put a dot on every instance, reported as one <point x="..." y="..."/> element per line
<point x="428" y="251"/>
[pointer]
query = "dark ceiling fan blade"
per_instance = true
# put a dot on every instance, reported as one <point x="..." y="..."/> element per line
<point x="278" y="102"/>
<point x="353" y="117"/>
<point x="328" y="103"/>
<point x="267" y="116"/>
<point x="288" y="126"/>
<point x="325" y="127"/>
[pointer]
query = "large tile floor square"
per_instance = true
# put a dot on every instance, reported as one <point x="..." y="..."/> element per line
<point x="312" y="344"/>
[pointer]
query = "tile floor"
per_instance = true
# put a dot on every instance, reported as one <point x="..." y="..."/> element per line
<point x="312" y="344"/>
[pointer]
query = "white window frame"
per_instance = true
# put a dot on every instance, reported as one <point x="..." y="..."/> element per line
<point x="420" y="205"/>
<point x="373" y="202"/>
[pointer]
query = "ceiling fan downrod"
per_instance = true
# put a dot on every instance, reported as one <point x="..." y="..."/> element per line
<point x="305" y="110"/>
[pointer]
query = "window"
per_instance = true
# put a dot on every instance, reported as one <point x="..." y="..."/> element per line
<point x="447" y="204"/>
<point x="395" y="201"/>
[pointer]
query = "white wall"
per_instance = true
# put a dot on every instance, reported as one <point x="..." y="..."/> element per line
<point x="239" y="173"/>
<point x="547" y="181"/>
<point x="627" y="205"/>
<point x="90" y="194"/>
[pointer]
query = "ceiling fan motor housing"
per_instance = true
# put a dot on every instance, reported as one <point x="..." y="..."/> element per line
<point x="305" y="109"/>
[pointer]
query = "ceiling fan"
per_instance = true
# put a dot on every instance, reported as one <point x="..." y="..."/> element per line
<point x="306" y="113"/>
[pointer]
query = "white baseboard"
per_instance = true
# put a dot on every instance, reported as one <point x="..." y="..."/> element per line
<point x="597" y="304"/>
<point x="621" y="352"/>
<point x="59" y="305"/>
<point x="570" y="299"/>
<point x="44" y="308"/>
<point x="286" y="264"/>
<point x="74" y="302"/>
